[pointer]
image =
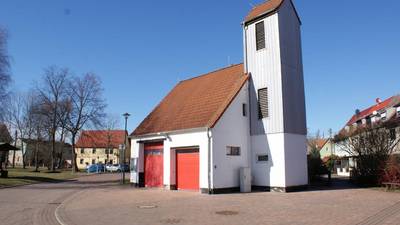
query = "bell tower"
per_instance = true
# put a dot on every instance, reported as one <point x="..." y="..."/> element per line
<point x="273" y="58"/>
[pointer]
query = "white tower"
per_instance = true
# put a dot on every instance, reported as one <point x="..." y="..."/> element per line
<point x="272" y="45"/>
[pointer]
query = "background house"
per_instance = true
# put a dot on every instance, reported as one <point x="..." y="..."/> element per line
<point x="383" y="111"/>
<point x="100" y="146"/>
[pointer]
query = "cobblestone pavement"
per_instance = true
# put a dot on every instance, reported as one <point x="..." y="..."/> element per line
<point x="36" y="204"/>
<point x="116" y="205"/>
<point x="99" y="200"/>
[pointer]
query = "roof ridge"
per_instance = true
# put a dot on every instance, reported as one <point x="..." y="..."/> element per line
<point x="209" y="73"/>
<point x="103" y="130"/>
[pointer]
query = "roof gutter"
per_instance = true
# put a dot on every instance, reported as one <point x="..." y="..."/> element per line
<point x="166" y="133"/>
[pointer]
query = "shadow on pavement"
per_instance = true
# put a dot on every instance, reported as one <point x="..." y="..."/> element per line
<point x="336" y="183"/>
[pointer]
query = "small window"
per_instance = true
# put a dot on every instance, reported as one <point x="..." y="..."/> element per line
<point x="94" y="150"/>
<point x="81" y="161"/>
<point x="263" y="103"/>
<point x="111" y="161"/>
<point x="82" y="151"/>
<point x="383" y="116"/>
<point x="93" y="161"/>
<point x="398" y="111"/>
<point x="232" y="151"/>
<point x="260" y="36"/>
<point x="107" y="151"/>
<point x="244" y="109"/>
<point x="262" y="158"/>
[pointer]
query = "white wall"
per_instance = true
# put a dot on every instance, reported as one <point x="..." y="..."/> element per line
<point x="296" y="171"/>
<point x="271" y="173"/>
<point x="265" y="68"/>
<point x="199" y="139"/>
<point x="174" y="140"/>
<point x="233" y="129"/>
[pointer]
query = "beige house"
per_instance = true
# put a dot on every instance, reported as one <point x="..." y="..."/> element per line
<point x="100" y="146"/>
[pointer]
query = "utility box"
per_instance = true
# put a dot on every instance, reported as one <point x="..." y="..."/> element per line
<point x="245" y="180"/>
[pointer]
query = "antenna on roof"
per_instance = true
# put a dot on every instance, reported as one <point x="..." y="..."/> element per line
<point x="229" y="60"/>
<point x="357" y="112"/>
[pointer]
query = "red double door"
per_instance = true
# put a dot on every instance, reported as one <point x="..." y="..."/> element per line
<point x="153" y="164"/>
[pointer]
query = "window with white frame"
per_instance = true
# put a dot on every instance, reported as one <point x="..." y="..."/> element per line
<point x="232" y="151"/>
<point x="398" y="111"/>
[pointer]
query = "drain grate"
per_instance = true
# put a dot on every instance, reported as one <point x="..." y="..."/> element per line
<point x="171" y="221"/>
<point x="54" y="203"/>
<point x="227" y="213"/>
<point x="147" y="206"/>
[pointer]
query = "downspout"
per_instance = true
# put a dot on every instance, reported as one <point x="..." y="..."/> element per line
<point x="245" y="47"/>
<point x="209" y="160"/>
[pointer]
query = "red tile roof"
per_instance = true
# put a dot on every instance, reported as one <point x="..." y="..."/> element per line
<point x="263" y="8"/>
<point x="195" y="103"/>
<point x="320" y="143"/>
<point x="267" y="7"/>
<point x="369" y="111"/>
<point x="101" y="138"/>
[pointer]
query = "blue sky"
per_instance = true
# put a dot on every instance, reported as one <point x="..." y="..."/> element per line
<point x="141" y="49"/>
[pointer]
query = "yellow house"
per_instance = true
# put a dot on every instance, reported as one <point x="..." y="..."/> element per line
<point x="100" y="146"/>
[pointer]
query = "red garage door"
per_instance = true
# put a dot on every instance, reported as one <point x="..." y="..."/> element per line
<point x="153" y="164"/>
<point x="187" y="169"/>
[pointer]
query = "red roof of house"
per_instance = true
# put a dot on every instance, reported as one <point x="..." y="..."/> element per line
<point x="195" y="103"/>
<point x="369" y="111"/>
<point x="101" y="138"/>
<point x="320" y="143"/>
<point x="263" y="8"/>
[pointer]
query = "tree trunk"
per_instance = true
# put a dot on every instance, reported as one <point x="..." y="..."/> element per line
<point x="73" y="160"/>
<point x="23" y="155"/>
<point x="15" y="143"/>
<point x="53" y="151"/>
<point x="36" y="156"/>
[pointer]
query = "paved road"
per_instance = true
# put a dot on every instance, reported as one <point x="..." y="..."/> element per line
<point x="98" y="200"/>
<point x="36" y="204"/>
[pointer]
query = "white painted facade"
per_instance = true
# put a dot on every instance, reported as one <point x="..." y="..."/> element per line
<point x="278" y="67"/>
<point x="231" y="130"/>
<point x="194" y="138"/>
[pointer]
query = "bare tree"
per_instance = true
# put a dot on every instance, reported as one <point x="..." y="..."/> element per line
<point x="52" y="94"/>
<point x="20" y="117"/>
<point x="371" y="146"/>
<point x="86" y="106"/>
<point x="5" y="77"/>
<point x="112" y="122"/>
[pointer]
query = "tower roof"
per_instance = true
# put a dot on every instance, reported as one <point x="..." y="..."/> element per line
<point x="265" y="8"/>
<point x="262" y="9"/>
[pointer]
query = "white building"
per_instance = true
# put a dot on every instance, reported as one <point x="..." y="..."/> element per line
<point x="247" y="115"/>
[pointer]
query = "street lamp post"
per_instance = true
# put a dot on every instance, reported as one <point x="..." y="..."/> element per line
<point x="126" y="116"/>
